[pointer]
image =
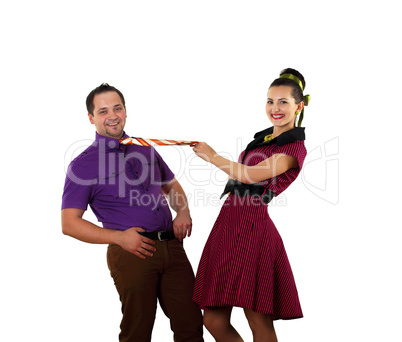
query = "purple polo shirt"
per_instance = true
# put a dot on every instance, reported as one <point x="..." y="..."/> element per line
<point x="122" y="185"/>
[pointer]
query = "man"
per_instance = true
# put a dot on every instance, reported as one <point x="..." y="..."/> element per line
<point x="127" y="187"/>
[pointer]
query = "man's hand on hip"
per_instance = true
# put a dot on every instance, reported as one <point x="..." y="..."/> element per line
<point x="137" y="244"/>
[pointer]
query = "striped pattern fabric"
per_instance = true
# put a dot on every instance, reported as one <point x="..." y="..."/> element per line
<point x="244" y="262"/>
<point x="280" y="183"/>
<point x="154" y="142"/>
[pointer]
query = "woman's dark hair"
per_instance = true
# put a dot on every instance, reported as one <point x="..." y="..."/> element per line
<point x="297" y="93"/>
<point x="103" y="88"/>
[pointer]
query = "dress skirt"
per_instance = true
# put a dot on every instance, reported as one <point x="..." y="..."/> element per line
<point x="244" y="263"/>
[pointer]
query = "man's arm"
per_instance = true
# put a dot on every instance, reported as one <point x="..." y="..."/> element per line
<point x="75" y="226"/>
<point x="182" y="224"/>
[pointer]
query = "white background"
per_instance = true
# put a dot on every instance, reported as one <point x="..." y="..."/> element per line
<point x="200" y="70"/>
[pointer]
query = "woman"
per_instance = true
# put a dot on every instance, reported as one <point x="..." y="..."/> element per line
<point x="244" y="262"/>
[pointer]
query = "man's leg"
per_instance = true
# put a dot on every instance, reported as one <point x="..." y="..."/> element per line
<point x="136" y="281"/>
<point x="175" y="295"/>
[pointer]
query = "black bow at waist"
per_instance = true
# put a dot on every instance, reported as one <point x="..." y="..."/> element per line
<point x="238" y="188"/>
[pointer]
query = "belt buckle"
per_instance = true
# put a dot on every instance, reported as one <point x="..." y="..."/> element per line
<point x="160" y="236"/>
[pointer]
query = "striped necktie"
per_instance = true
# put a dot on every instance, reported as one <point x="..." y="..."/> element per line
<point x="154" y="142"/>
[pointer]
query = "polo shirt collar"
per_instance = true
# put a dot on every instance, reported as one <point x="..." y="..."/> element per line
<point x="110" y="144"/>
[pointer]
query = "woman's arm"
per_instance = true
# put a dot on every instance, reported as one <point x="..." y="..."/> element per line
<point x="268" y="168"/>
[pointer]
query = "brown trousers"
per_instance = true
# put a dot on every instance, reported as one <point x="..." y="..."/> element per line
<point x="166" y="276"/>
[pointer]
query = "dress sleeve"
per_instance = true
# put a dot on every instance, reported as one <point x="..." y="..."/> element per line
<point x="295" y="149"/>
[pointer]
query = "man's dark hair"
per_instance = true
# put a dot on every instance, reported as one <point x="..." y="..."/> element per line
<point x="103" y="88"/>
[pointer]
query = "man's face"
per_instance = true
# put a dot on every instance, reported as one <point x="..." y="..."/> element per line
<point x="109" y="115"/>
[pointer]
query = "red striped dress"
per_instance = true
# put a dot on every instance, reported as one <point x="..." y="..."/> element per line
<point x="244" y="262"/>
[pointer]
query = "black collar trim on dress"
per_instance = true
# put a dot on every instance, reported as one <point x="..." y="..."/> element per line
<point x="295" y="134"/>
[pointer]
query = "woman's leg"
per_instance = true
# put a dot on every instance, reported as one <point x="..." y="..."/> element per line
<point x="218" y="324"/>
<point x="261" y="325"/>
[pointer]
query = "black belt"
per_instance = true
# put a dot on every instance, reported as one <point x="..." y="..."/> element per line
<point x="161" y="235"/>
<point x="241" y="189"/>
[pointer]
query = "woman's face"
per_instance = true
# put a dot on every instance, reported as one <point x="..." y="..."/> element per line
<point x="281" y="107"/>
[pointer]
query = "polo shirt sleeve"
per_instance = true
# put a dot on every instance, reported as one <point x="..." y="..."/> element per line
<point x="166" y="174"/>
<point x="295" y="149"/>
<point x="78" y="188"/>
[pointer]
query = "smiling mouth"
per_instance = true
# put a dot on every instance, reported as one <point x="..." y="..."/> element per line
<point x="277" y="116"/>
<point x="112" y="124"/>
